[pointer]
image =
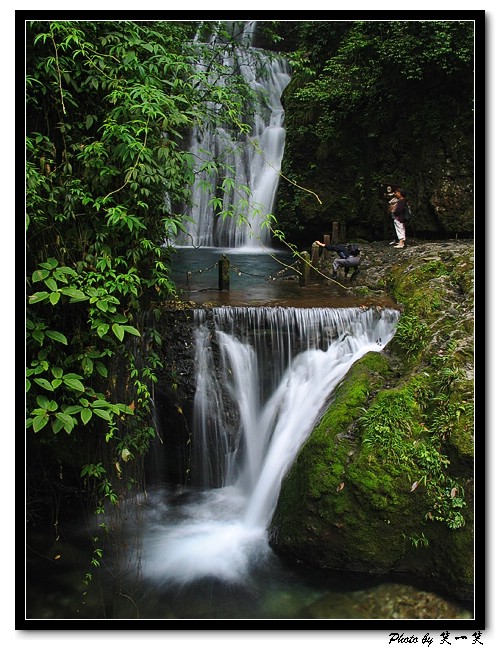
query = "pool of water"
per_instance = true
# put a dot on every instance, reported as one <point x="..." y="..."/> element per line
<point x="132" y="582"/>
<point x="257" y="277"/>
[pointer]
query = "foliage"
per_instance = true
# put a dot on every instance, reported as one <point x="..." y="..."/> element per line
<point x="371" y="102"/>
<point x="411" y="334"/>
<point x="379" y="68"/>
<point x="108" y="105"/>
<point x="417" y="539"/>
<point x="409" y="428"/>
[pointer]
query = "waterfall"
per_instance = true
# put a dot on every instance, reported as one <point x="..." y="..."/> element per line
<point x="264" y="375"/>
<point x="254" y="159"/>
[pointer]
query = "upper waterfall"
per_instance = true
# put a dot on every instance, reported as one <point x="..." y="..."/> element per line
<point x="254" y="159"/>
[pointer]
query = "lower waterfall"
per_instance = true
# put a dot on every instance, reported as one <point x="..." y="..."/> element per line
<point x="264" y="375"/>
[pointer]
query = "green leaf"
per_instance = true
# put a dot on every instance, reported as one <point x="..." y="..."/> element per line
<point x="101" y="403"/>
<point x="103" y="414"/>
<point x="57" y="336"/>
<point x="39" y="275"/>
<point x="44" y="383"/>
<point x="125" y="409"/>
<point x="120" y="318"/>
<point x="75" y="294"/>
<point x="74" y="384"/>
<point x="42" y="401"/>
<point x="118" y="331"/>
<point x="101" y="369"/>
<point x="38" y="297"/>
<point x="102" y="329"/>
<point x="87" y="366"/>
<point x="54" y="297"/>
<point x="39" y="422"/>
<point x="67" y="420"/>
<point x="51" y="284"/>
<point x="71" y="410"/>
<point x="67" y="270"/>
<point x="56" y="383"/>
<point x="57" y="425"/>
<point x="86" y="414"/>
<point x="73" y="375"/>
<point x="102" y="305"/>
<point x="131" y="330"/>
<point x="57" y="372"/>
<point x="50" y="264"/>
<point x="38" y="335"/>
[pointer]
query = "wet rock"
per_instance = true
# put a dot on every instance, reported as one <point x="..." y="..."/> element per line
<point x="415" y="424"/>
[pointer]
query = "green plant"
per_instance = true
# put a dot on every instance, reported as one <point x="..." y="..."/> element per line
<point x="389" y="424"/>
<point x="108" y="107"/>
<point x="417" y="539"/>
<point x="412" y="334"/>
<point x="394" y="429"/>
<point x="448" y="504"/>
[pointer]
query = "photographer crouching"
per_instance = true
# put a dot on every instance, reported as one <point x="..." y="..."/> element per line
<point x="348" y="257"/>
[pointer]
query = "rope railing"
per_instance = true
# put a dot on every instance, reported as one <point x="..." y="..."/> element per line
<point x="190" y="273"/>
<point x="254" y="275"/>
<point x="225" y="266"/>
<point x="302" y="268"/>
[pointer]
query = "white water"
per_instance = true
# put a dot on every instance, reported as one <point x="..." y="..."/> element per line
<point x="255" y="159"/>
<point x="278" y="366"/>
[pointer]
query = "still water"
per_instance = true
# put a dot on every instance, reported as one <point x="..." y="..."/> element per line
<point x="262" y="588"/>
<point x="257" y="277"/>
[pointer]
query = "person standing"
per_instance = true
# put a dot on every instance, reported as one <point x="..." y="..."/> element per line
<point x="391" y="205"/>
<point x="399" y="217"/>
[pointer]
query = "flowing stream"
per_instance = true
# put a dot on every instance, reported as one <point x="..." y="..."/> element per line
<point x="263" y="378"/>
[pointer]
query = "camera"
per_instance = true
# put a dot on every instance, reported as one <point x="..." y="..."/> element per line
<point x="386" y="191"/>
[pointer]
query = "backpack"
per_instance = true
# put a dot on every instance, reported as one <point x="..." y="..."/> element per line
<point x="407" y="216"/>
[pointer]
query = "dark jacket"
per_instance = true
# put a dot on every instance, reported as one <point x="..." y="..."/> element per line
<point x="344" y="250"/>
<point x="400" y="210"/>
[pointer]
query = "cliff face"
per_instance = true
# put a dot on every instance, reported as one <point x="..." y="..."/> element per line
<point x="385" y="483"/>
<point x="364" y="110"/>
<point x="437" y="176"/>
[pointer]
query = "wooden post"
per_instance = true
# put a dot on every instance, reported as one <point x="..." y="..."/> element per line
<point x="335" y="232"/>
<point x="343" y="234"/>
<point x="314" y="275"/>
<point x="304" y="269"/>
<point x="223" y="274"/>
<point x="326" y="254"/>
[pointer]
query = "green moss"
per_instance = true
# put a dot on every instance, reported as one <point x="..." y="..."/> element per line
<point x="461" y="420"/>
<point x="386" y="478"/>
<point x="421" y="288"/>
<point x="319" y="470"/>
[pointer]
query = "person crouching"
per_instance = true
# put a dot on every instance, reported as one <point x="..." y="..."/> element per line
<point x="348" y="257"/>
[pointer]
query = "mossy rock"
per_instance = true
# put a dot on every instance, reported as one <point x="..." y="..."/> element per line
<point x="384" y="484"/>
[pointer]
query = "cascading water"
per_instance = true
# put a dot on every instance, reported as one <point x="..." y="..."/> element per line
<point x="263" y="377"/>
<point x="255" y="159"/>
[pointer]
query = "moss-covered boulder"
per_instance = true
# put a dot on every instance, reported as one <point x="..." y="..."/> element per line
<point x="385" y="482"/>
